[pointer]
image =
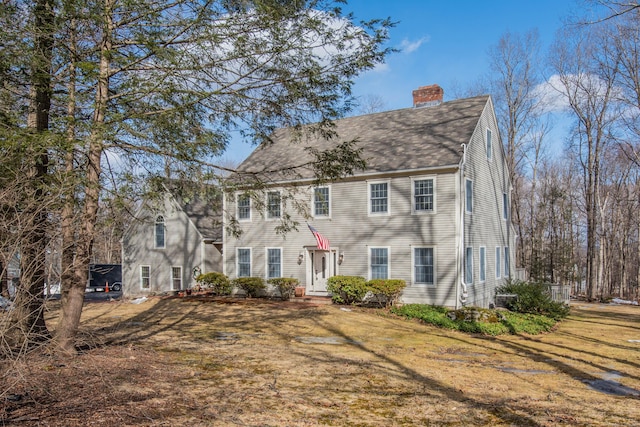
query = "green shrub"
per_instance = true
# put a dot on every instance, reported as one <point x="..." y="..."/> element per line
<point x="347" y="289"/>
<point x="534" y="298"/>
<point x="285" y="285"/>
<point x="253" y="286"/>
<point x="386" y="291"/>
<point x="217" y="282"/>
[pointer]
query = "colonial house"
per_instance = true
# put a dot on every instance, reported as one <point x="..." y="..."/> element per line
<point x="431" y="207"/>
<point x="173" y="238"/>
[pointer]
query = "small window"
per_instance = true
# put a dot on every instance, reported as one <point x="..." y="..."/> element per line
<point x="423" y="195"/>
<point x="505" y="206"/>
<point x="469" y="196"/>
<point x="274" y="205"/>
<point x="274" y="263"/>
<point x="244" y="207"/>
<point x="145" y="276"/>
<point x="244" y="262"/>
<point x="379" y="263"/>
<point x="379" y="198"/>
<point x="423" y="266"/>
<point x="506" y="261"/>
<point x="498" y="265"/>
<point x="159" y="232"/>
<point x="483" y="264"/>
<point x="489" y="145"/>
<point x="468" y="266"/>
<point x="176" y="278"/>
<point x="321" y="202"/>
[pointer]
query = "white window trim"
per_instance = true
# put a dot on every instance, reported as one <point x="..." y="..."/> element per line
<point x="164" y="232"/>
<point x="141" y="277"/>
<point x="266" y="262"/>
<point x="498" y="264"/>
<point x="266" y="207"/>
<point x="413" y="194"/>
<point x="238" y="206"/>
<point x="466" y="207"/>
<point x="388" y="212"/>
<point x="489" y="150"/>
<point x="413" y="266"/>
<point x="250" y="262"/>
<point x="482" y="264"/>
<point x="465" y="265"/>
<point x="173" y="288"/>
<point x="388" y="248"/>
<point x="313" y="203"/>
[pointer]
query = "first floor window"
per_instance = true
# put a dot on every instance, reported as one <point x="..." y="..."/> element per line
<point x="244" y="207"/>
<point x="159" y="232"/>
<point x="483" y="264"/>
<point x="423" y="266"/>
<point x="468" y="266"/>
<point x="274" y="263"/>
<point x="273" y="204"/>
<point x="498" y="267"/>
<point x="244" y="262"/>
<point x="145" y="276"/>
<point x="506" y="261"/>
<point x="379" y="263"/>
<point x="176" y="278"/>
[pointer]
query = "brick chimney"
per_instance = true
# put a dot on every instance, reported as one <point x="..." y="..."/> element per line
<point x="426" y="96"/>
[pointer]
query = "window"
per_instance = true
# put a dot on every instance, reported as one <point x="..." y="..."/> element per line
<point x="423" y="266"/>
<point x="469" y="196"/>
<point x="498" y="268"/>
<point x="145" y="276"/>
<point x="379" y="198"/>
<point x="159" y="231"/>
<point x="506" y="261"/>
<point x="379" y="263"/>
<point x="423" y="195"/>
<point x="244" y="207"/>
<point x="483" y="264"/>
<point x="273" y="204"/>
<point x="176" y="278"/>
<point x="505" y="206"/>
<point x="244" y="262"/>
<point x="468" y="266"/>
<point x="321" y="201"/>
<point x="489" y="145"/>
<point x="274" y="263"/>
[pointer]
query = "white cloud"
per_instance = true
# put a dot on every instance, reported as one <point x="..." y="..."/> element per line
<point x="408" y="46"/>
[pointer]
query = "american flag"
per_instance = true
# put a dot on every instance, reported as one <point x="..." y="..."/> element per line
<point x="323" y="242"/>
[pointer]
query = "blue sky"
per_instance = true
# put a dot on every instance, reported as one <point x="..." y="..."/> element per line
<point x="444" y="42"/>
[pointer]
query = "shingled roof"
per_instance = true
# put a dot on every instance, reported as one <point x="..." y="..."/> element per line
<point x="406" y="139"/>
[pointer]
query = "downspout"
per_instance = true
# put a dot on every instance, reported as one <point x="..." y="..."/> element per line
<point x="462" y="298"/>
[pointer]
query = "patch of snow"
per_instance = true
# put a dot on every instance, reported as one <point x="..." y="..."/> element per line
<point x="139" y="300"/>
<point x="622" y="301"/>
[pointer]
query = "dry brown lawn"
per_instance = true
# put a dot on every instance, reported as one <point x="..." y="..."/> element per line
<point x="205" y="362"/>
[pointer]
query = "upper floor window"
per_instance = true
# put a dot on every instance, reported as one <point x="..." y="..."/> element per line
<point x="489" y="145"/>
<point x="321" y="202"/>
<point x="423" y="266"/>
<point x="379" y="261"/>
<point x="274" y="204"/>
<point x="505" y="206"/>
<point x="244" y="207"/>
<point x="274" y="263"/>
<point x="423" y="195"/>
<point x="468" y="196"/>
<point x="379" y="198"/>
<point x="159" y="232"/>
<point x="244" y="262"/>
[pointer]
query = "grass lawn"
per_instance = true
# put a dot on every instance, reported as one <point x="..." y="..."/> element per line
<point x="204" y="362"/>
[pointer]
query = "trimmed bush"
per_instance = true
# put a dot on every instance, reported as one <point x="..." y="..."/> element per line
<point x="217" y="282"/>
<point x="285" y="285"/>
<point x="534" y="298"/>
<point x="386" y="291"/>
<point x="253" y="286"/>
<point x="347" y="289"/>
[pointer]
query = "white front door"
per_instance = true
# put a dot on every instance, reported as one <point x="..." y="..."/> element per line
<point x="321" y="270"/>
